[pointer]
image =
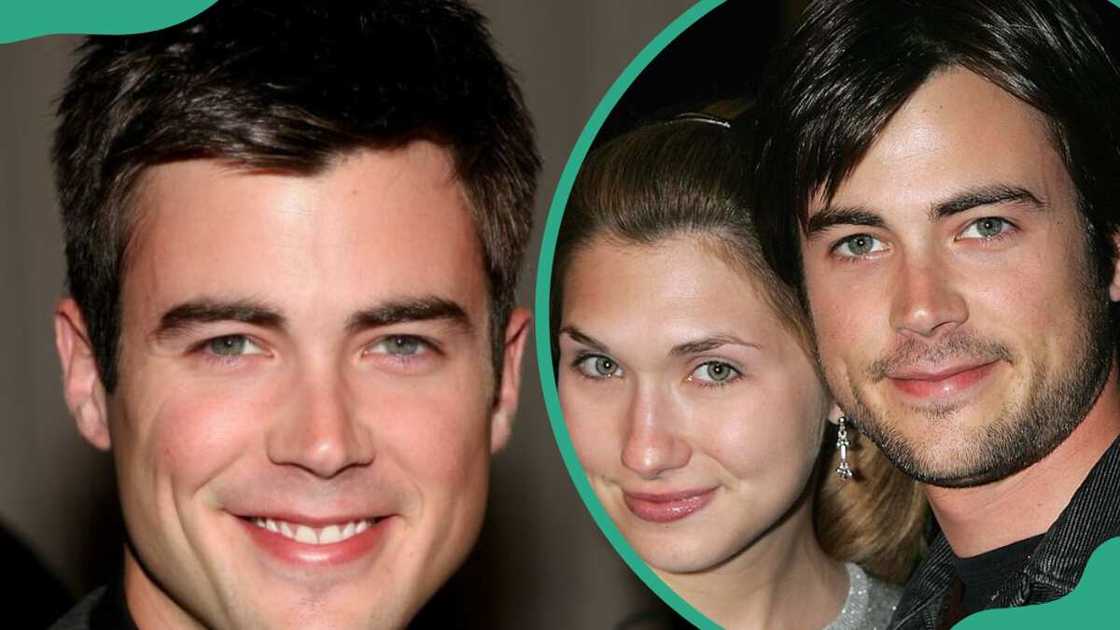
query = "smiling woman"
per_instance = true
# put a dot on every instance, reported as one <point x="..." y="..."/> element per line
<point x="686" y="375"/>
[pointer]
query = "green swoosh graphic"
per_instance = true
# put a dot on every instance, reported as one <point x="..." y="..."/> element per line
<point x="1092" y="604"/>
<point x="24" y="20"/>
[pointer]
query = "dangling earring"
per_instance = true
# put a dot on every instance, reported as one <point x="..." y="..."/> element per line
<point x="842" y="445"/>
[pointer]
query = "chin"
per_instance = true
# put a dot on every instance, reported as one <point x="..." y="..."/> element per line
<point x="681" y="565"/>
<point x="352" y="612"/>
<point x="680" y="557"/>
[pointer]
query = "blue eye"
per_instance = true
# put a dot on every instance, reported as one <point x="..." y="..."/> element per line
<point x="858" y="245"/>
<point x="598" y="366"/>
<point x="404" y="346"/>
<point x="715" y="373"/>
<point x="232" y="346"/>
<point x="986" y="228"/>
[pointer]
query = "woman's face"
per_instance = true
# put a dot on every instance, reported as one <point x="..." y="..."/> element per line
<point x="695" y="412"/>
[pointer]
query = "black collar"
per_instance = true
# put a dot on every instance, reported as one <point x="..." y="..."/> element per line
<point x="111" y="612"/>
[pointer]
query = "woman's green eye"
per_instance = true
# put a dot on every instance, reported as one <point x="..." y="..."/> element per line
<point x="715" y="373"/>
<point x="605" y="366"/>
<point x="598" y="366"/>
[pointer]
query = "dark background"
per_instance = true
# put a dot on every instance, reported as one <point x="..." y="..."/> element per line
<point x="720" y="57"/>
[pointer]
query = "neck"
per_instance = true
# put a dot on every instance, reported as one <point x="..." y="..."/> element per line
<point x="782" y="580"/>
<point x="148" y="604"/>
<point x="983" y="518"/>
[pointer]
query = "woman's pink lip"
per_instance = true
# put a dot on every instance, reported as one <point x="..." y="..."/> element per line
<point x="942" y="384"/>
<point x="669" y="506"/>
<point x="293" y="552"/>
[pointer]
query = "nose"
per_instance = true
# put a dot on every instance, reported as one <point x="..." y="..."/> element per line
<point x="925" y="300"/>
<point x="653" y="445"/>
<point x="320" y="431"/>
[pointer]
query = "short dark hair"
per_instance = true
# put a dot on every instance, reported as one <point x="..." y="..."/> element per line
<point x="851" y="64"/>
<point x="288" y="86"/>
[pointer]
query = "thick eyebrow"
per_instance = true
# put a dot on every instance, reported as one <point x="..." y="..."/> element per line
<point x="184" y="316"/>
<point x="983" y="196"/>
<point x="585" y="339"/>
<point x="409" y="310"/>
<point x="830" y="217"/>
<point x="708" y="343"/>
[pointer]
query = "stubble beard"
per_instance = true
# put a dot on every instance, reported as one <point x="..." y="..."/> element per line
<point x="1023" y="432"/>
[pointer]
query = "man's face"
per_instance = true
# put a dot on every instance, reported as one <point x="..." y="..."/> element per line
<point x="304" y="418"/>
<point x="950" y="287"/>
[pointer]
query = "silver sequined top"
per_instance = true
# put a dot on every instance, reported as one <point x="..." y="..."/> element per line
<point x="869" y="605"/>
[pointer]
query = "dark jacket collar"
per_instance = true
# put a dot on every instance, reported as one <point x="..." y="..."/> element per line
<point x="1091" y="517"/>
<point x="111" y="613"/>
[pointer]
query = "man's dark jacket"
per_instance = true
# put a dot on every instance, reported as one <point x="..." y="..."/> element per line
<point x="1053" y="569"/>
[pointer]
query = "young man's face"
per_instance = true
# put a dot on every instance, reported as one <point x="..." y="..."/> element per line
<point x="304" y="418"/>
<point x="950" y="285"/>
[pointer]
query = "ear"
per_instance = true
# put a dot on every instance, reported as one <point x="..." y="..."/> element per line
<point x="1114" y="287"/>
<point x="81" y="382"/>
<point x="835" y="413"/>
<point x="505" y="408"/>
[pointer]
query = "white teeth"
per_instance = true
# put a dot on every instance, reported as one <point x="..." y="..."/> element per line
<point x="304" y="534"/>
<point x="310" y="536"/>
<point x="330" y="534"/>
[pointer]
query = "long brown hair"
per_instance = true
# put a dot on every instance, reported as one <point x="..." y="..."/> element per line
<point x="687" y="176"/>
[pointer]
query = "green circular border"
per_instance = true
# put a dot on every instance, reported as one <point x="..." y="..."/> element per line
<point x="541" y="308"/>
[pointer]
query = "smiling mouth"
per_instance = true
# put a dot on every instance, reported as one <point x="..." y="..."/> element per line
<point x="328" y="535"/>
<point x="667" y="507"/>
<point x="941" y="383"/>
<point x="320" y="542"/>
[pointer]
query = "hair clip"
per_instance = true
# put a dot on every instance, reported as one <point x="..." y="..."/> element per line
<point x="701" y="117"/>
